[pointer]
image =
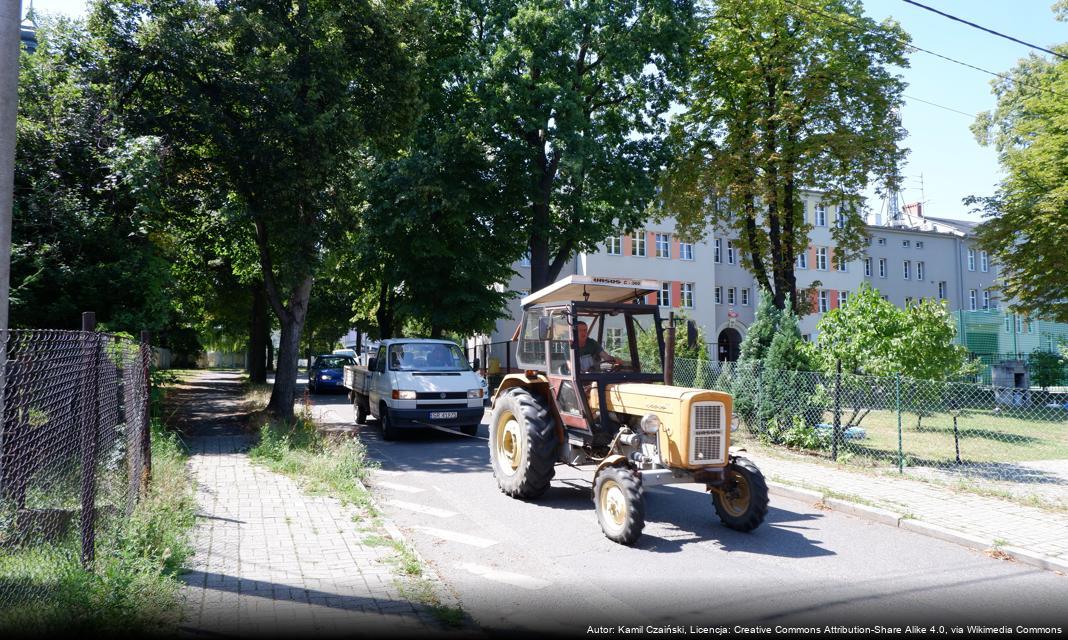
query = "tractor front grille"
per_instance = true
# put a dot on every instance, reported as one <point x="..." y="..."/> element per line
<point x="706" y="433"/>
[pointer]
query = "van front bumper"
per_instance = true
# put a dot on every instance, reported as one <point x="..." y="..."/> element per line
<point x="421" y="417"/>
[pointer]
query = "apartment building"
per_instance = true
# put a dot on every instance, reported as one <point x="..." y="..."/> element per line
<point x="909" y="257"/>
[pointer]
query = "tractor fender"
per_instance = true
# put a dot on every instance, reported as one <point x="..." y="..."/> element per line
<point x="614" y="460"/>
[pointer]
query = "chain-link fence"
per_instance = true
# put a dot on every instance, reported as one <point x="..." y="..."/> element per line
<point x="74" y="451"/>
<point x="926" y="428"/>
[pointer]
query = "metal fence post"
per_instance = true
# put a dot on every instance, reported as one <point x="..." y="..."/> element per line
<point x="89" y="418"/>
<point x="837" y="409"/>
<point x="146" y="415"/>
<point x="900" y="443"/>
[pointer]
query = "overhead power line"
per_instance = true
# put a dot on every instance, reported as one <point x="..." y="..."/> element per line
<point x="940" y="106"/>
<point x="860" y="29"/>
<point x="982" y="28"/>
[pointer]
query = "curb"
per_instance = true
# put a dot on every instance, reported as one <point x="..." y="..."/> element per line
<point x="893" y="519"/>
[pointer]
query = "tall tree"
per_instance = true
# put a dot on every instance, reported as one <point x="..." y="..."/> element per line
<point x="279" y="98"/>
<point x="573" y="96"/>
<point x="785" y="96"/>
<point x="1029" y="211"/>
<point x="80" y="241"/>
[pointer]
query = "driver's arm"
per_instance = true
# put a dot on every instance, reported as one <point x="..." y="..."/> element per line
<point x="608" y="357"/>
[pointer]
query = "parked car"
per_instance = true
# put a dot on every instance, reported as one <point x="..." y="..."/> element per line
<point x="326" y="372"/>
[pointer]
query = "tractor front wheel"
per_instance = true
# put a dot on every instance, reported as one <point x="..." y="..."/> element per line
<point x="617" y="496"/>
<point x="742" y="501"/>
<point x="522" y="444"/>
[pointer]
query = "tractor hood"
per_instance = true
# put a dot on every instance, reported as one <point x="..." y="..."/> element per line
<point x="638" y="398"/>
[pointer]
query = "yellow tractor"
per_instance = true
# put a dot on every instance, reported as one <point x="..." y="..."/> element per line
<point x="596" y="391"/>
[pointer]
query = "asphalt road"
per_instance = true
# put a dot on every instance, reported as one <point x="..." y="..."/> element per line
<point x="545" y="566"/>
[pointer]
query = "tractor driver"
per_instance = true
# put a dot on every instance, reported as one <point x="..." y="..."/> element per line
<point x="589" y="350"/>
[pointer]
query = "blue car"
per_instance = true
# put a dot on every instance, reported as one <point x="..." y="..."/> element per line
<point x="326" y="373"/>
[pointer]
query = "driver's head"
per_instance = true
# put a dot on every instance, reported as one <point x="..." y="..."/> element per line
<point x="583" y="332"/>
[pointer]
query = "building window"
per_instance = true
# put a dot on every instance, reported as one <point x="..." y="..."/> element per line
<point x="908" y="301"/>
<point x="821" y="215"/>
<point x="919" y="244"/>
<point x="971" y="259"/>
<point x="1008" y="324"/>
<point x="802" y="260"/>
<point x="942" y="290"/>
<point x="686" y="291"/>
<point x="920" y="270"/>
<point x="839" y="262"/>
<point x="686" y="250"/>
<point x="719" y="295"/>
<point x="613" y="339"/>
<point x="867" y="267"/>
<point x="663" y="245"/>
<point x="718" y="251"/>
<point x="821" y="258"/>
<point x="984" y="262"/>
<point x="843" y="298"/>
<point x="745" y="297"/>
<point x="839" y="219"/>
<point x="907" y="269"/>
<point x="638" y="243"/>
<point x="730" y="252"/>
<point x="663" y="298"/>
<point x="615" y="246"/>
<point x="882" y="242"/>
<point x="1019" y="324"/>
<point x="986" y="299"/>
<point x="971" y="299"/>
<point x="1030" y="326"/>
<point x="732" y="295"/>
<point x="825" y="304"/>
<point x="525" y="260"/>
<point x="905" y="243"/>
<point x="882" y="267"/>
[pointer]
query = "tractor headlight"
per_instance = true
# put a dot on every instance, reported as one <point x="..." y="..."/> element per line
<point x="474" y="393"/>
<point x="650" y="423"/>
<point x="403" y="395"/>
<point x="734" y="422"/>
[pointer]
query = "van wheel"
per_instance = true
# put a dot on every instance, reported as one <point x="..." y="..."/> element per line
<point x="743" y="501"/>
<point x="617" y="496"/>
<point x="523" y="444"/>
<point x="389" y="432"/>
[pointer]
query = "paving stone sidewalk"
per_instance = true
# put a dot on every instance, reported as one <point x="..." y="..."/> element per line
<point x="994" y="520"/>
<point x="272" y="561"/>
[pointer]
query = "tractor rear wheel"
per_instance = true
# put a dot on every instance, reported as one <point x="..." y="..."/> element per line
<point x="522" y="444"/>
<point x="742" y="502"/>
<point x="617" y="496"/>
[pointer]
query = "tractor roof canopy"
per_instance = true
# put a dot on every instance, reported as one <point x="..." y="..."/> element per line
<point x="592" y="289"/>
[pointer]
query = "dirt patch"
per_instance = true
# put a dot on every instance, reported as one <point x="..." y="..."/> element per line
<point x="210" y="403"/>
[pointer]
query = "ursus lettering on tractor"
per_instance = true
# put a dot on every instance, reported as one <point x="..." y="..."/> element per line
<point x="617" y="416"/>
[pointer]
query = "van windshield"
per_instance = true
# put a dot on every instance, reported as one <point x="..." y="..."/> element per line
<point x="417" y="356"/>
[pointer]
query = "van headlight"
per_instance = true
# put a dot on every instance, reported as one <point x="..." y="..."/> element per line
<point x="474" y="393"/>
<point x="403" y="395"/>
<point x="650" y="423"/>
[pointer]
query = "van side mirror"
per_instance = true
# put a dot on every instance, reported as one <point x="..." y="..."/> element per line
<point x="372" y="364"/>
<point x="691" y="334"/>
<point x="544" y="325"/>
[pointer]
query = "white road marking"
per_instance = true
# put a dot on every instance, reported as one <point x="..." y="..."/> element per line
<point x="455" y="536"/>
<point x="398" y="487"/>
<point x="418" y="508"/>
<point x="514" y="579"/>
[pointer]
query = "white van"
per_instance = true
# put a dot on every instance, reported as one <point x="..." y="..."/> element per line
<point x="417" y="383"/>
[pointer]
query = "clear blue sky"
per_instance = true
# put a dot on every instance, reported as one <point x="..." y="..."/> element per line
<point x="942" y="148"/>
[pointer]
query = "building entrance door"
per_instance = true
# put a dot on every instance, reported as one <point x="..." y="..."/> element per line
<point x="730" y="342"/>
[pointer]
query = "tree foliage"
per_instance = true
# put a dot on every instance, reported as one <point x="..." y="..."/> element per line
<point x="277" y="100"/>
<point x="572" y="98"/>
<point x="1028" y="214"/>
<point x="783" y="99"/>
<point x="80" y="240"/>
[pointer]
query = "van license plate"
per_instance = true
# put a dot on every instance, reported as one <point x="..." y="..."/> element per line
<point x="442" y="415"/>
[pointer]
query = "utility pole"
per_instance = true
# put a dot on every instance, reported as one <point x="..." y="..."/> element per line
<point x="10" y="36"/>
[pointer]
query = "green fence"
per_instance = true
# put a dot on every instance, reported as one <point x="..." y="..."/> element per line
<point x="902" y="424"/>
<point x="993" y="336"/>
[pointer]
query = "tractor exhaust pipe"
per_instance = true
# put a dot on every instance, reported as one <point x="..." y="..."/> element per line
<point x="669" y="352"/>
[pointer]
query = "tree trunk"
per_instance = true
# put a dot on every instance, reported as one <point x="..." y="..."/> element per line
<point x="291" y="317"/>
<point x="259" y="335"/>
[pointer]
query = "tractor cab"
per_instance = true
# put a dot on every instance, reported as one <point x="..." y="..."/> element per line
<point x="587" y="333"/>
